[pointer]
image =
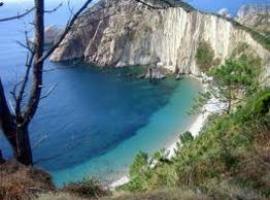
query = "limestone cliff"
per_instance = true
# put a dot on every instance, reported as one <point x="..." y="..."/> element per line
<point x="256" y="16"/>
<point x="125" y="32"/>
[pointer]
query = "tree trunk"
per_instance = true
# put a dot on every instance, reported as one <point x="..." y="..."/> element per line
<point x="2" y="160"/>
<point x="18" y="138"/>
<point x="24" y="151"/>
<point x="7" y="122"/>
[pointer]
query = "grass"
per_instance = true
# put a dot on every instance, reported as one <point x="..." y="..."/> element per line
<point x="22" y="183"/>
<point x="86" y="189"/>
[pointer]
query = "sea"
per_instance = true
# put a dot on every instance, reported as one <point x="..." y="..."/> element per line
<point x="95" y="121"/>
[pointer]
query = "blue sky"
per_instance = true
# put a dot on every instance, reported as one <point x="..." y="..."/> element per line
<point x="215" y="5"/>
<point x="206" y="5"/>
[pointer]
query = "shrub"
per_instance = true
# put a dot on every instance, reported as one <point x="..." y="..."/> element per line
<point x="205" y="56"/>
<point x="232" y="147"/>
<point x="86" y="188"/>
<point x="186" y="137"/>
<point x="140" y="162"/>
<point x="19" y="182"/>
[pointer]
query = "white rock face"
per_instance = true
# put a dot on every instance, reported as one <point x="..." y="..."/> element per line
<point x="124" y="32"/>
<point x="254" y="14"/>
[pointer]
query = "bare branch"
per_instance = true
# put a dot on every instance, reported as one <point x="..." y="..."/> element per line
<point x="19" y="98"/>
<point x="54" y="9"/>
<point x="18" y="16"/>
<point x="28" y="11"/>
<point x="67" y="29"/>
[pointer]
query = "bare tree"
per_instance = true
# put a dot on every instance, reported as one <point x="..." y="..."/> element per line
<point x="15" y="125"/>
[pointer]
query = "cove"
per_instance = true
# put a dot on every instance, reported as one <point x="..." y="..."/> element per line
<point x="107" y="118"/>
<point x="96" y="121"/>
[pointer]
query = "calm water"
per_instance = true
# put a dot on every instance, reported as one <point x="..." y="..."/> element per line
<point x="94" y="122"/>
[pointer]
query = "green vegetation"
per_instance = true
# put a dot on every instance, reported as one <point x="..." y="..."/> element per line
<point x="236" y="78"/>
<point x="205" y="56"/>
<point x="232" y="150"/>
<point x="172" y="3"/>
<point x="186" y="137"/>
<point x="230" y="158"/>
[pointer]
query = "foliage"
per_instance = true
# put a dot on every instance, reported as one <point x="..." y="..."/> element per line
<point x="186" y="137"/>
<point x="205" y="56"/>
<point x="141" y="160"/>
<point x="233" y="148"/>
<point x="236" y="78"/>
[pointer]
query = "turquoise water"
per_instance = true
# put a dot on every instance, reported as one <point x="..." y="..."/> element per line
<point x="163" y="126"/>
<point x="95" y="121"/>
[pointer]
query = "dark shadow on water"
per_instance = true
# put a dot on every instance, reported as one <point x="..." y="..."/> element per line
<point x="93" y="111"/>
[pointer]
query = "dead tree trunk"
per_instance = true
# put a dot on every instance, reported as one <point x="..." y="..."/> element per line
<point x="2" y="160"/>
<point x="24" y="151"/>
<point x="15" y="126"/>
<point x="7" y="120"/>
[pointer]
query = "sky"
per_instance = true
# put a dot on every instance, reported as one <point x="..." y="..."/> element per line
<point x="231" y="5"/>
<point x="206" y="5"/>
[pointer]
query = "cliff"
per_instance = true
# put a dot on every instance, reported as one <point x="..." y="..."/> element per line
<point x="125" y="32"/>
<point x="256" y="16"/>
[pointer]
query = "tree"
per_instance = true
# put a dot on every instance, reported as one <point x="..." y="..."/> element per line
<point x="233" y="80"/>
<point x="15" y="125"/>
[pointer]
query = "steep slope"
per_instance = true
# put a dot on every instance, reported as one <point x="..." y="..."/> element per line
<point x="125" y="32"/>
<point x="255" y="16"/>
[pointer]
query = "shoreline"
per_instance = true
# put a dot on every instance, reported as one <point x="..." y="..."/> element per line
<point x="211" y="107"/>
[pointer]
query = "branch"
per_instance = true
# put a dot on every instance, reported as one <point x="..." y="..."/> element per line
<point x="67" y="29"/>
<point x="40" y="57"/>
<point x="18" y="16"/>
<point x="54" y="9"/>
<point x="28" y="11"/>
<point x="23" y="83"/>
<point x="19" y="98"/>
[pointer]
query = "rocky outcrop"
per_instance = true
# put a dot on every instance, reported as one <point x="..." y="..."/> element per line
<point x="52" y="34"/>
<point x="125" y="32"/>
<point x="256" y="16"/>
